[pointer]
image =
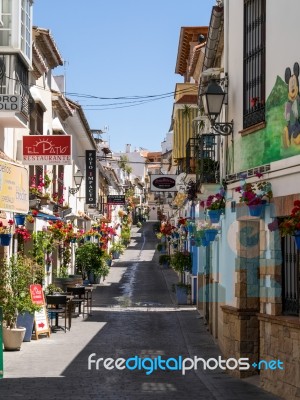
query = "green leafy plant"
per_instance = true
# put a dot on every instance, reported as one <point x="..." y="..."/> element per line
<point x="117" y="247"/>
<point x="181" y="261"/>
<point x="16" y="275"/>
<point x="89" y="258"/>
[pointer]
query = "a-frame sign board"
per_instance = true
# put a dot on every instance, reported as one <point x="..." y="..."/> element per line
<point x="41" y="322"/>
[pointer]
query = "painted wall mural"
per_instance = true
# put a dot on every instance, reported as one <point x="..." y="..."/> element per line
<point x="281" y="136"/>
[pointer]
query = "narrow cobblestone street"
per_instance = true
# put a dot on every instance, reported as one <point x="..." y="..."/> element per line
<point x="134" y="314"/>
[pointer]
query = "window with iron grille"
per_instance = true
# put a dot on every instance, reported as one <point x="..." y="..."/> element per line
<point x="290" y="277"/>
<point x="254" y="62"/>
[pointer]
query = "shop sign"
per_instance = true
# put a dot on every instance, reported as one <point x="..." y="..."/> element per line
<point x="14" y="188"/>
<point x="10" y="103"/>
<point x="47" y="150"/>
<point x="90" y="187"/>
<point x="37" y="296"/>
<point x="163" y="183"/>
<point x="116" y="199"/>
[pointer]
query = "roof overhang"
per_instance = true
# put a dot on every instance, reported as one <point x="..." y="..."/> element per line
<point x="188" y="35"/>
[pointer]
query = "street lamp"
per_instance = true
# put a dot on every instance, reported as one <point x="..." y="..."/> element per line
<point x="212" y="100"/>
<point x="78" y="176"/>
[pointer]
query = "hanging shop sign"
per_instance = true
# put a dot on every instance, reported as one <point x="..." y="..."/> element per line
<point x="116" y="199"/>
<point x="162" y="183"/>
<point x="14" y="188"/>
<point x="90" y="188"/>
<point x="10" y="103"/>
<point x="47" y="150"/>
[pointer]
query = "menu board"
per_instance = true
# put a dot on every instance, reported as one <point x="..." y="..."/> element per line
<point x="41" y="322"/>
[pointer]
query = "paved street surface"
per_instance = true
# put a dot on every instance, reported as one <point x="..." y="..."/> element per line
<point x="134" y="314"/>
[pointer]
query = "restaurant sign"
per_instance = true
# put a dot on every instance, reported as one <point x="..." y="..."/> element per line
<point x="116" y="199"/>
<point x="47" y="150"/>
<point x="14" y="188"/>
<point x="90" y="188"/>
<point x="163" y="183"/>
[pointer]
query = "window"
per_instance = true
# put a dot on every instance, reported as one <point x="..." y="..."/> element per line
<point x="26" y="27"/>
<point x="254" y="62"/>
<point x="290" y="277"/>
<point x="5" y="22"/>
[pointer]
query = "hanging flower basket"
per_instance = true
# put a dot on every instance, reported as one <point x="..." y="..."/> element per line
<point x="256" y="210"/>
<point x="297" y="239"/>
<point x="5" y="239"/>
<point x="214" y="216"/>
<point x="20" y="219"/>
<point x="210" y="234"/>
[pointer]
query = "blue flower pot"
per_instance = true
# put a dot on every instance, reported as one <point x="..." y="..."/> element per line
<point x="210" y="234"/>
<point x="256" y="210"/>
<point x="214" y="216"/>
<point x="20" y="219"/>
<point x="5" y="239"/>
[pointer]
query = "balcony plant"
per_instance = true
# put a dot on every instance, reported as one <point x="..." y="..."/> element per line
<point x="16" y="275"/>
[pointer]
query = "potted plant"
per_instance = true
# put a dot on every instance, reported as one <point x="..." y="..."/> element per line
<point x="291" y="224"/>
<point x="181" y="261"/>
<point x="255" y="196"/>
<point x="116" y="249"/>
<point x="16" y="275"/>
<point x="5" y="232"/>
<point x="91" y="262"/>
<point x="215" y="205"/>
<point x="164" y="260"/>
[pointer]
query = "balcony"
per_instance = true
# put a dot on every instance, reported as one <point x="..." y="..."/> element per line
<point x="202" y="161"/>
<point x="16" y="102"/>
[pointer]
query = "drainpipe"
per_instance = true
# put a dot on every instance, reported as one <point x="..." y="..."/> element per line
<point x="226" y="49"/>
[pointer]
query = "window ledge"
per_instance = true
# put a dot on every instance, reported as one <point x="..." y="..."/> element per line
<point x="252" y="129"/>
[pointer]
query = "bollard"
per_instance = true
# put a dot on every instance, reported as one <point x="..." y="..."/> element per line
<point x="1" y="345"/>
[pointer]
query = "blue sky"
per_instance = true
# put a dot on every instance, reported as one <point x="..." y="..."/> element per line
<point x="121" y="48"/>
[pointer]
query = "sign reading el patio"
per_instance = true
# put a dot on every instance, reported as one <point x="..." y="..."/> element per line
<point x="47" y="150"/>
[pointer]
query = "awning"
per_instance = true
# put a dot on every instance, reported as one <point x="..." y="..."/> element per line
<point x="47" y="217"/>
<point x="183" y="131"/>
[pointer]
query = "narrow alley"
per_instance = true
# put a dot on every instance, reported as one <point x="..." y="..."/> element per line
<point x="134" y="314"/>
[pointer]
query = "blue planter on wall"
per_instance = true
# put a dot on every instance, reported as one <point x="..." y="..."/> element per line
<point x="20" y="219"/>
<point x="214" y="216"/>
<point x="256" y="210"/>
<point x="5" y="239"/>
<point x="210" y="234"/>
